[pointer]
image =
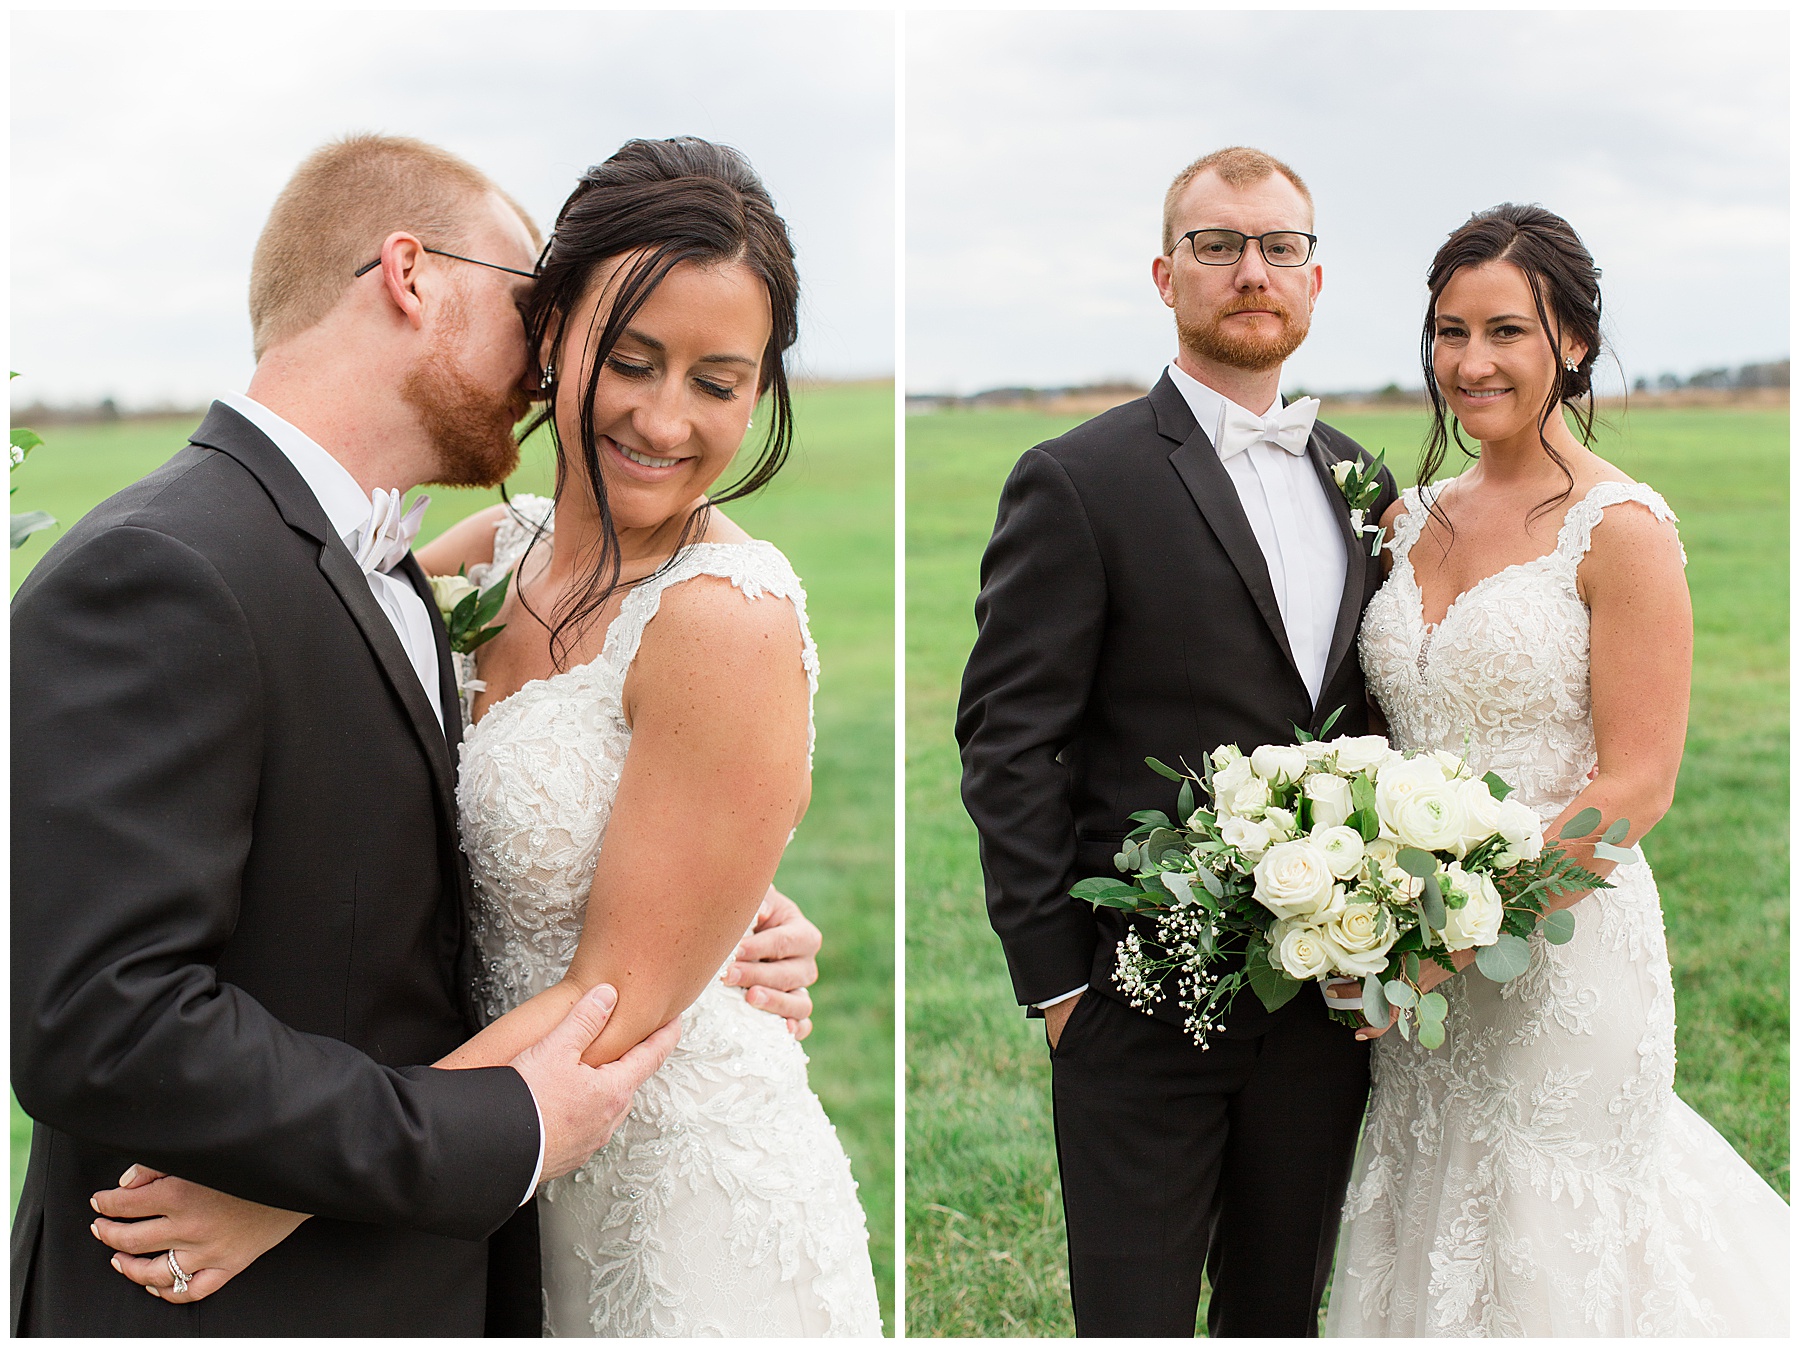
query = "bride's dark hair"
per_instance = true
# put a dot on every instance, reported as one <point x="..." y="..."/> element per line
<point x="1565" y="285"/>
<point x="672" y="201"/>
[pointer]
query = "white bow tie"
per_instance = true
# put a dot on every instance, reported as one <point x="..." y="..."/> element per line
<point x="388" y="536"/>
<point x="1288" y="427"/>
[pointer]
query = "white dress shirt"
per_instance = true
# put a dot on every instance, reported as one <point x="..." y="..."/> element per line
<point x="348" y="508"/>
<point x="1294" y="525"/>
<point x="1297" y="531"/>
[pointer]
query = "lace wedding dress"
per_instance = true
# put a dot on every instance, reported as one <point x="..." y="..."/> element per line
<point x="724" y="1204"/>
<point x="1538" y="1175"/>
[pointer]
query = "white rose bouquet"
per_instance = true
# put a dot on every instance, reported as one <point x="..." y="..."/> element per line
<point x="1332" y="859"/>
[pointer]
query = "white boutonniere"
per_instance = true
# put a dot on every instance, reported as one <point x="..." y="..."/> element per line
<point x="1362" y="488"/>
<point x="468" y="612"/>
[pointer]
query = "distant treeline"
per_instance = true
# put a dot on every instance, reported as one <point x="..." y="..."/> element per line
<point x="1768" y="374"/>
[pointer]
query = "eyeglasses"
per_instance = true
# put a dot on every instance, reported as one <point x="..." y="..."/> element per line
<point x="1223" y="247"/>
<point x="514" y="271"/>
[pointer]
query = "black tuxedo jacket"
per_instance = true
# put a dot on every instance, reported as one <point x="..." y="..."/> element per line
<point x="1126" y="611"/>
<point x="238" y="916"/>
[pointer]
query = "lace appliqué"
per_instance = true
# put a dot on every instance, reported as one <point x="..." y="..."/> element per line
<point x="724" y="1204"/>
<point x="1538" y="1175"/>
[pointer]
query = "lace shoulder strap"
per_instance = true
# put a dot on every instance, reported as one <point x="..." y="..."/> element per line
<point x="1577" y="533"/>
<point x="1410" y="525"/>
<point x="517" y="526"/>
<point x="756" y="568"/>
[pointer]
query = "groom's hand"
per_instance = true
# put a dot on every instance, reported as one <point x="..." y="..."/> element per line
<point x="582" y="1105"/>
<point x="1055" y="1017"/>
<point x="778" y="961"/>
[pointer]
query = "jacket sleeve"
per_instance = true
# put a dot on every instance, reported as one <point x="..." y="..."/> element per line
<point x="1039" y="619"/>
<point x="136" y="757"/>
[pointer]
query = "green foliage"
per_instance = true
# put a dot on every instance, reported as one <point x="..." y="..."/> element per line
<point x="985" y="1253"/>
<point x="831" y="511"/>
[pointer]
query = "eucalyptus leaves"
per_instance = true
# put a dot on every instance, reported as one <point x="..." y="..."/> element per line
<point x="1338" y="859"/>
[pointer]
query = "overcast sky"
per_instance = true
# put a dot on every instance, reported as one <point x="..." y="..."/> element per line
<point x="1039" y="147"/>
<point x="147" y="149"/>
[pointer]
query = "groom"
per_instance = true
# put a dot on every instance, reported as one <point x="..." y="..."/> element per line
<point x="239" y="904"/>
<point x="1176" y="574"/>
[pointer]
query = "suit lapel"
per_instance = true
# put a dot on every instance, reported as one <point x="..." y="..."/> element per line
<point x="1356" y="559"/>
<point x="227" y="432"/>
<point x="1197" y="463"/>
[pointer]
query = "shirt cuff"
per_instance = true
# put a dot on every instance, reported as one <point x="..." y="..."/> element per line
<point x="538" y="1169"/>
<point x="1065" y="997"/>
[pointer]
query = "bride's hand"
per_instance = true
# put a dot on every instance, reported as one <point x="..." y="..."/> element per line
<point x="778" y="961"/>
<point x="214" y="1236"/>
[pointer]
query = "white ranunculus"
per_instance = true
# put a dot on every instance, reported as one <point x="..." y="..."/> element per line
<point x="1519" y="825"/>
<point x="1225" y="754"/>
<point x="1280" y="823"/>
<point x="1358" y="753"/>
<point x="1398" y="778"/>
<point x="1249" y="837"/>
<point x="1330" y="795"/>
<point x="1481" y="812"/>
<point x="1432" y="818"/>
<point x="449" y="591"/>
<point x="1303" y="951"/>
<point x="1364" y="933"/>
<point x="1279" y="762"/>
<point x="1294" y="879"/>
<point x="1343" y="848"/>
<point x="1477" y="922"/>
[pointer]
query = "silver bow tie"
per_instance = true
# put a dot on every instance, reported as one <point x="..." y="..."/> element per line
<point x="388" y="536"/>
<point x="1288" y="427"/>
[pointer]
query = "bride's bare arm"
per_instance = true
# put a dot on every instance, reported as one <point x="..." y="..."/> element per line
<point x="714" y="782"/>
<point x="465" y="543"/>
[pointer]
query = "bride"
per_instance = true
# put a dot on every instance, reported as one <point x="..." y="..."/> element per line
<point x="639" y="755"/>
<point x="1539" y="1175"/>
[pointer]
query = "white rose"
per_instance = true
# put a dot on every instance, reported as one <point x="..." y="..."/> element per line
<point x="1398" y="778"/>
<point x="1294" y="879"/>
<point x="1519" y="825"/>
<point x="1431" y="817"/>
<point x="1283" y="762"/>
<point x="1249" y="799"/>
<point x="1481" y="812"/>
<point x="1343" y="848"/>
<point x="1225" y="755"/>
<point x="1316" y="751"/>
<point x="1303" y="951"/>
<point x="1454" y="765"/>
<point x="1409" y="886"/>
<point x="1477" y="922"/>
<point x="1280" y="823"/>
<point x="1249" y="837"/>
<point x="1340" y="471"/>
<point x="1358" y="753"/>
<point x="1330" y="795"/>
<point x="449" y="591"/>
<point x="1227" y="782"/>
<point x="1364" y="934"/>
<point x="1383" y="850"/>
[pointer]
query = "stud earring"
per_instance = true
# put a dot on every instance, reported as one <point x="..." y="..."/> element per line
<point x="1570" y="365"/>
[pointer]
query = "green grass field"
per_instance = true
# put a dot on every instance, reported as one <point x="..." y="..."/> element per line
<point x="831" y="511"/>
<point x="985" y="1250"/>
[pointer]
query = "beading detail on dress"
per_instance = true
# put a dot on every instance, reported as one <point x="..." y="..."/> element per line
<point x="724" y="1204"/>
<point x="1538" y="1174"/>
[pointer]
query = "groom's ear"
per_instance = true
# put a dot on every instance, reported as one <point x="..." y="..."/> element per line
<point x="402" y="256"/>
